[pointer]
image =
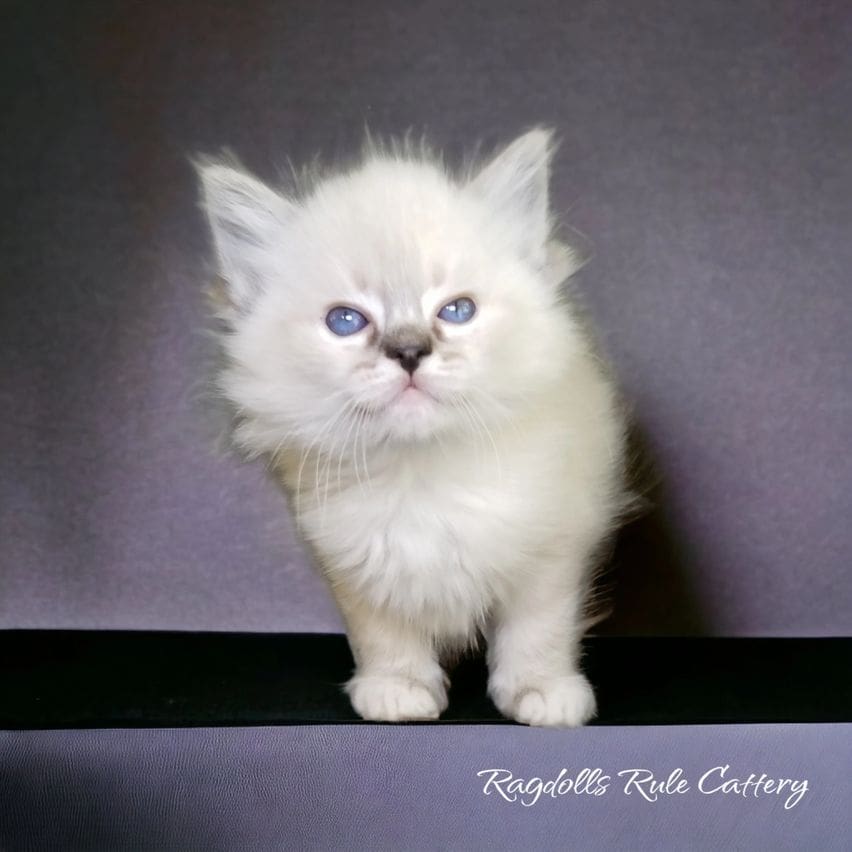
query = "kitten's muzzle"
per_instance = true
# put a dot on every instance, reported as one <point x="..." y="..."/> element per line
<point x="409" y="353"/>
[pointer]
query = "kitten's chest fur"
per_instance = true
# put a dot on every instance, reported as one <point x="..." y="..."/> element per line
<point x="426" y="531"/>
<point x="441" y="533"/>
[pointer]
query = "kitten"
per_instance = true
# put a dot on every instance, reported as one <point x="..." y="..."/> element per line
<point x="399" y="349"/>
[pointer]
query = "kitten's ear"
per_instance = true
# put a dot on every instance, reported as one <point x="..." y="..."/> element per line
<point x="567" y="255"/>
<point x="515" y="184"/>
<point x="247" y="220"/>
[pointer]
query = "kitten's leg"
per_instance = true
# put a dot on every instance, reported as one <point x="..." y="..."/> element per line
<point x="397" y="676"/>
<point x="533" y="651"/>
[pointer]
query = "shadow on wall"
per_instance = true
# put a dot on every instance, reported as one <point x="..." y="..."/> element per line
<point x="647" y="582"/>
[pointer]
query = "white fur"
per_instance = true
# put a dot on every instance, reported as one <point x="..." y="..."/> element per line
<point x="472" y="504"/>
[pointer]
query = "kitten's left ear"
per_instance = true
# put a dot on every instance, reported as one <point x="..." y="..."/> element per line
<point x="247" y="220"/>
<point x="515" y="185"/>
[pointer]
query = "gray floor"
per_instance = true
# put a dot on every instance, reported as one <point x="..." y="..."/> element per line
<point x="418" y="788"/>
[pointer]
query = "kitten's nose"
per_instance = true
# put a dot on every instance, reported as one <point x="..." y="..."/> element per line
<point x="408" y="354"/>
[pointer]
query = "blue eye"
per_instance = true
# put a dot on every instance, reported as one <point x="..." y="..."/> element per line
<point x="459" y="310"/>
<point x="344" y="321"/>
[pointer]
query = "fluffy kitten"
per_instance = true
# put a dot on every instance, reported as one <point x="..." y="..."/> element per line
<point x="399" y="349"/>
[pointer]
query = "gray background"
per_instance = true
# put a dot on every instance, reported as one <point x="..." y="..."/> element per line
<point x="705" y="151"/>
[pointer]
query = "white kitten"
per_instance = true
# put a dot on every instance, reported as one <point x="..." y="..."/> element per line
<point x="399" y="349"/>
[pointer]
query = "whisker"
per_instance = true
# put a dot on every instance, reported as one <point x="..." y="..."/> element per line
<point x="344" y="448"/>
<point x="303" y="460"/>
<point x="346" y="411"/>
<point x="360" y="432"/>
<point x="487" y="431"/>
<point x="355" y="452"/>
<point x="475" y="429"/>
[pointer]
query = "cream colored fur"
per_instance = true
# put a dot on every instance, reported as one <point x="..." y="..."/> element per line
<point x="473" y="503"/>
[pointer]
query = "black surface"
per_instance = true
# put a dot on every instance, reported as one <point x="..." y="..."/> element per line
<point x="69" y="679"/>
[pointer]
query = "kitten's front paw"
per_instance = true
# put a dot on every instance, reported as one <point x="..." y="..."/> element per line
<point x="395" y="698"/>
<point x="565" y="702"/>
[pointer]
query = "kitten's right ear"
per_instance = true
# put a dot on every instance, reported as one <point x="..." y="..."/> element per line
<point x="247" y="220"/>
<point x="515" y="185"/>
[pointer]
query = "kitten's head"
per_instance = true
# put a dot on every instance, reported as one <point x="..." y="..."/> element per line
<point x="393" y="301"/>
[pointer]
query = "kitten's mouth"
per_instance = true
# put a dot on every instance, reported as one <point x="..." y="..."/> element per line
<point x="412" y="391"/>
<point x="409" y="395"/>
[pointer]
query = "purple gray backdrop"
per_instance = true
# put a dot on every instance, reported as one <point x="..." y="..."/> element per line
<point x="705" y="152"/>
